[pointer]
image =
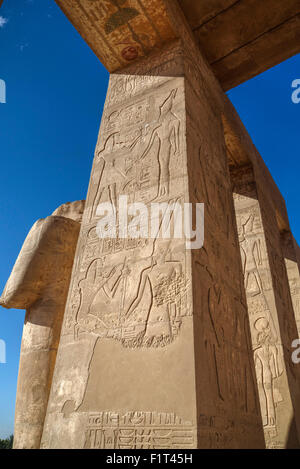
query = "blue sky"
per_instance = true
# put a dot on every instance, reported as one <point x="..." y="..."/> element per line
<point x="48" y="129"/>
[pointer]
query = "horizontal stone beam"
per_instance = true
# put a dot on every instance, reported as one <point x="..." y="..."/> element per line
<point x="239" y="39"/>
<point x="120" y="31"/>
<point x="242" y="39"/>
<point x="260" y="55"/>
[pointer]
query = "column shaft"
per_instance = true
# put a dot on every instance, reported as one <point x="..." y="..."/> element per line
<point x="272" y="320"/>
<point x="155" y="347"/>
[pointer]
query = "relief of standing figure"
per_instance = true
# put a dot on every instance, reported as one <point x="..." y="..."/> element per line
<point x="268" y="367"/>
<point x="166" y="133"/>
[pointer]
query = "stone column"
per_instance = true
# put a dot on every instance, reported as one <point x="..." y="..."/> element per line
<point x="155" y="345"/>
<point x="271" y="315"/>
<point x="39" y="283"/>
<point x="289" y="252"/>
<point x="297" y="252"/>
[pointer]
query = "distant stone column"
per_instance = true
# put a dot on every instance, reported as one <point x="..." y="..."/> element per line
<point x="271" y="314"/>
<point x="155" y="347"/>
<point x="39" y="283"/>
<point x="289" y="248"/>
<point x="297" y="252"/>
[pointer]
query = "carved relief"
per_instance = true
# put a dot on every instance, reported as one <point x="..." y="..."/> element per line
<point x="137" y="157"/>
<point x="167" y="135"/>
<point x="267" y="349"/>
<point x="149" y="314"/>
<point x="209" y="187"/>
<point x="120" y="31"/>
<point x="111" y="297"/>
<point x="130" y="86"/>
<point x="138" y="430"/>
<point x="268" y="367"/>
<point x="251" y="257"/>
<point x="223" y="321"/>
<point x="161" y="316"/>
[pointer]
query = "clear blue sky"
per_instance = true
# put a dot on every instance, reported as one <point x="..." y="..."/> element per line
<point x="48" y="129"/>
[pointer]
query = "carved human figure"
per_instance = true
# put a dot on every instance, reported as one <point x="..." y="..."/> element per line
<point x="251" y="258"/>
<point x="105" y="161"/>
<point x="159" y="278"/>
<point x="100" y="301"/>
<point x="128" y="173"/>
<point x="153" y="316"/>
<point x="39" y="283"/>
<point x="166" y="133"/>
<point x="268" y="368"/>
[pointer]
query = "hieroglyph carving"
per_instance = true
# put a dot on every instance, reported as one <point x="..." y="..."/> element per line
<point x="133" y="290"/>
<point x="138" y="430"/>
<point x="292" y="269"/>
<point x="143" y="174"/>
<point x="267" y="354"/>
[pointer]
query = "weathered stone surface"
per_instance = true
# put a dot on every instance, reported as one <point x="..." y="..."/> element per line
<point x="240" y="39"/>
<point x="39" y="283"/>
<point x="163" y="347"/>
<point x="142" y="346"/>
<point x="71" y="210"/>
<point x="297" y="251"/>
<point x="271" y="314"/>
<point x="289" y="248"/>
<point x="120" y="32"/>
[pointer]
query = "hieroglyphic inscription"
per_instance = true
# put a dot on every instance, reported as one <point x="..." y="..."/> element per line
<point x="133" y="290"/>
<point x="267" y="354"/>
<point x="223" y="320"/>
<point x="266" y="338"/>
<point x="292" y="268"/>
<point x="138" y="430"/>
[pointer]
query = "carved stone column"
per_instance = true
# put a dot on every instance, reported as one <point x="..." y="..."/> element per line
<point x="39" y="283"/>
<point x="271" y="315"/>
<point x="155" y="345"/>
<point x="290" y="256"/>
<point x="297" y="252"/>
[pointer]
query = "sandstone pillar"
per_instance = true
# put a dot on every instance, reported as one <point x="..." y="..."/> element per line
<point x="271" y="314"/>
<point x="297" y="252"/>
<point x="292" y="266"/>
<point x="39" y="283"/>
<point x="155" y="345"/>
